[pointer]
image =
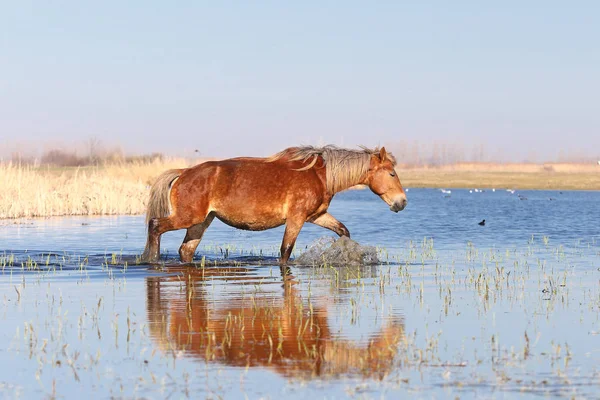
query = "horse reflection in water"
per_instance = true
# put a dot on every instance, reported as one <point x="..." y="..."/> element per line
<point x="259" y="329"/>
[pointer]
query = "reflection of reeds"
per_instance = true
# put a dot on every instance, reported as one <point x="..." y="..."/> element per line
<point x="120" y="188"/>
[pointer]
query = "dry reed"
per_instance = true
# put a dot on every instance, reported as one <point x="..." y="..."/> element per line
<point x="123" y="188"/>
<point x="120" y="188"/>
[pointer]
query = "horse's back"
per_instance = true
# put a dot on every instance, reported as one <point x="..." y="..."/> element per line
<point x="252" y="193"/>
<point x="237" y="175"/>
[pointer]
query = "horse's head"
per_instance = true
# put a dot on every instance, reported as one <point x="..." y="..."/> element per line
<point x="383" y="181"/>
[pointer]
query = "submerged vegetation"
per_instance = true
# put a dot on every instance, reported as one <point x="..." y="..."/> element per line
<point x="521" y="320"/>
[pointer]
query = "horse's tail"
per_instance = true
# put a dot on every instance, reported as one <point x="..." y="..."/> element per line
<point x="159" y="204"/>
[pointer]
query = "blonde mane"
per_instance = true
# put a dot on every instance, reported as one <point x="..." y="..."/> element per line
<point x="345" y="167"/>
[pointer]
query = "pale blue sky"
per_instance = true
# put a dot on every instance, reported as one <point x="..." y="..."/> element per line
<point x="250" y="78"/>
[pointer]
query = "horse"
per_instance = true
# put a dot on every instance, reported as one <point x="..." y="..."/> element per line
<point x="291" y="187"/>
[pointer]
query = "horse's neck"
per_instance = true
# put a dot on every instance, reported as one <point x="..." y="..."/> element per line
<point x="350" y="183"/>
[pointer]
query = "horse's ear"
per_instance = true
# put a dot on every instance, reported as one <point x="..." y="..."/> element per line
<point x="383" y="154"/>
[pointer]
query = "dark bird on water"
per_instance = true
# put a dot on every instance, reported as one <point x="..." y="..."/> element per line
<point x="482" y="223"/>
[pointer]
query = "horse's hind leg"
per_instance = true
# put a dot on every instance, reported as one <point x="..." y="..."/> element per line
<point x="192" y="239"/>
<point x="156" y="227"/>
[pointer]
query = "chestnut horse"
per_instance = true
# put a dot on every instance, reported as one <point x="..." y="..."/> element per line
<point x="291" y="187"/>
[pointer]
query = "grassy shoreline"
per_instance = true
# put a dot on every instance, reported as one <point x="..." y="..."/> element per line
<point x="555" y="176"/>
<point x="122" y="189"/>
<point x="506" y="180"/>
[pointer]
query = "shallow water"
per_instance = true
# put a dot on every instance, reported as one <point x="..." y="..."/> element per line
<point x="504" y="310"/>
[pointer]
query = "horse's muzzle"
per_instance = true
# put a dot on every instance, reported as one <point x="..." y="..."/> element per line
<point x="399" y="205"/>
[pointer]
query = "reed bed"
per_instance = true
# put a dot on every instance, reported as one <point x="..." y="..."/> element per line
<point x="113" y="189"/>
<point x="122" y="188"/>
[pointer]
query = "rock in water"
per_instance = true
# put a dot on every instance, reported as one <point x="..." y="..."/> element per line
<point x="341" y="252"/>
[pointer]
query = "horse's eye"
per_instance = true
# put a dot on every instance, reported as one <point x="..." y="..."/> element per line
<point x="392" y="174"/>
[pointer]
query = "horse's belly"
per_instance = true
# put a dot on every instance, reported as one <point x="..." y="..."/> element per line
<point x="251" y="224"/>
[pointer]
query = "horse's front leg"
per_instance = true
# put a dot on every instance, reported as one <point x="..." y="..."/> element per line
<point x="328" y="221"/>
<point x="292" y="229"/>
